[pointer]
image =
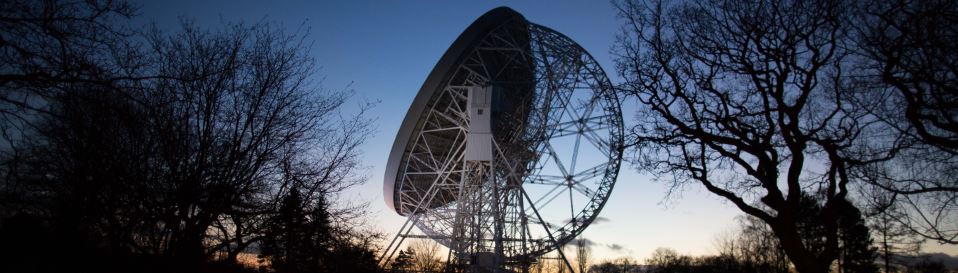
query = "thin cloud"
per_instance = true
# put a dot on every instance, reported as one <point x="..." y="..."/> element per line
<point x="585" y="242"/>
<point x="591" y="244"/>
<point x="616" y="247"/>
<point x="597" y="220"/>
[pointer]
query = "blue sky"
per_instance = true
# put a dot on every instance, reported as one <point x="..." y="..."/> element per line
<point x="385" y="49"/>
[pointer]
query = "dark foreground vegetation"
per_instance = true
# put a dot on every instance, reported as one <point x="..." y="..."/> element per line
<point x="188" y="150"/>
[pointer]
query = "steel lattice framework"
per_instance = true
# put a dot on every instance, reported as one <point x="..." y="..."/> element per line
<point x="557" y="148"/>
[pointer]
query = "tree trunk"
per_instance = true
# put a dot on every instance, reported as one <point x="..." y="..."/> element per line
<point x="802" y="258"/>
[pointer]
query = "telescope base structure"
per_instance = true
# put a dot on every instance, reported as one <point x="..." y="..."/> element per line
<point x="483" y="241"/>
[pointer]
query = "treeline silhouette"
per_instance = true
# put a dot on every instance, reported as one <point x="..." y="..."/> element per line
<point x="420" y="256"/>
<point x="753" y="247"/>
<point x="666" y="260"/>
<point x="146" y="150"/>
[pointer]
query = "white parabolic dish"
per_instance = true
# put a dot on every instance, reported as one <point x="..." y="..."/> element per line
<point x="557" y="133"/>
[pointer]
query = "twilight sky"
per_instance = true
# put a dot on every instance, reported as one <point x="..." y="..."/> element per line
<point x="385" y="49"/>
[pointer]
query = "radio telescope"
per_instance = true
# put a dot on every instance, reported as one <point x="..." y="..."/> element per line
<point x="509" y="150"/>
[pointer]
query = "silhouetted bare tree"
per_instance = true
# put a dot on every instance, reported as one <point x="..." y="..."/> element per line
<point x="425" y="256"/>
<point x="762" y="103"/>
<point x="665" y="260"/>
<point x="892" y="237"/>
<point x="47" y="49"/>
<point x="754" y="248"/>
<point x="176" y="145"/>
<point x="909" y="51"/>
<point x="746" y="98"/>
<point x="583" y="254"/>
<point x="49" y="46"/>
<point x="236" y="139"/>
<point x="912" y="45"/>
